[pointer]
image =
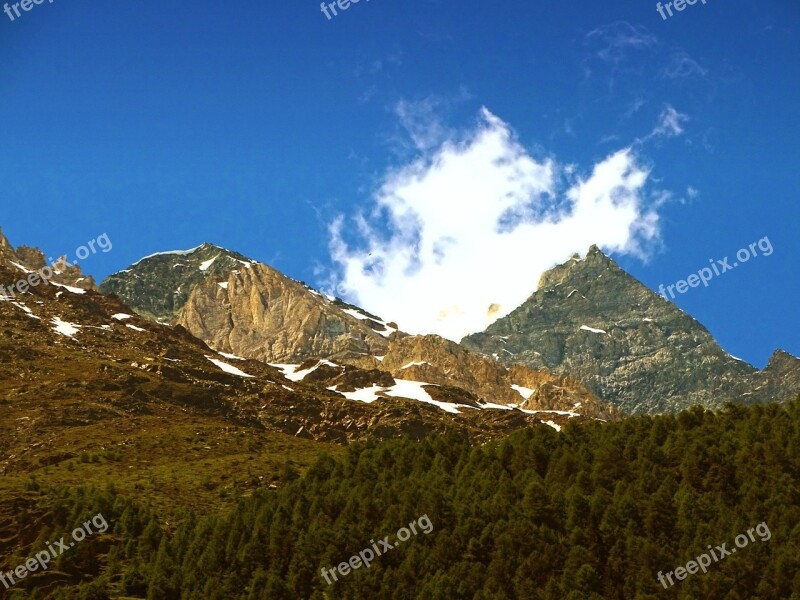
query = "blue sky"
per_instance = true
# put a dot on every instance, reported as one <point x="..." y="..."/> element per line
<point x="256" y="126"/>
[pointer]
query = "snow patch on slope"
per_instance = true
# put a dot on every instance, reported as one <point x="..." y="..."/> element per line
<point x="593" y="330"/>
<point x="175" y="252"/>
<point x="65" y="328"/>
<point x="523" y="391"/>
<point x="292" y="374"/>
<point x="205" y="266"/>
<point x="228" y="368"/>
<point x="361" y="316"/>
<point x="69" y="288"/>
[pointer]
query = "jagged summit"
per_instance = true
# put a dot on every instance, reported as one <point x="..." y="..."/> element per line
<point x="158" y="286"/>
<point x="592" y="320"/>
<point x="245" y="307"/>
<point x="595" y="262"/>
<point x="25" y="259"/>
<point x="205" y="246"/>
<point x="780" y="357"/>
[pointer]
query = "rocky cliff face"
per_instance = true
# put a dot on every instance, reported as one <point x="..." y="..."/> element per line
<point x="158" y="286"/>
<point x="591" y="320"/>
<point x="240" y="306"/>
<point x="436" y="360"/>
<point x="253" y="311"/>
<point x="259" y="313"/>
<point x="25" y="259"/>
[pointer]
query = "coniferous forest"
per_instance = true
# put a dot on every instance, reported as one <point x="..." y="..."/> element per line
<point x="596" y="511"/>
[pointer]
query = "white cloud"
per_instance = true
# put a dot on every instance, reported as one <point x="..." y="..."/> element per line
<point x="615" y="41"/>
<point x="670" y="123"/>
<point x="460" y="237"/>
<point x="419" y="121"/>
<point x="683" y="66"/>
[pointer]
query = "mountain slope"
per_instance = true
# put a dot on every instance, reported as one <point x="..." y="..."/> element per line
<point x="239" y="305"/>
<point x="25" y="260"/>
<point x="71" y="358"/>
<point x="159" y="285"/>
<point x="591" y="320"/>
<point x="262" y="314"/>
<point x="258" y="313"/>
<point x="434" y="359"/>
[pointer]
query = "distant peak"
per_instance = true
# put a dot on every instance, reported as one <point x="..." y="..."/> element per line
<point x="205" y="246"/>
<point x="781" y="356"/>
<point x="4" y="243"/>
<point x="595" y="260"/>
<point x="595" y="254"/>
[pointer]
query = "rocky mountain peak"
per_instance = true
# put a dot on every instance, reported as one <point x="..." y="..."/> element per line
<point x="781" y="356"/>
<point x="241" y="306"/>
<point x="25" y="259"/>
<point x="578" y="269"/>
<point x="592" y="320"/>
<point x="782" y="361"/>
<point x="158" y="285"/>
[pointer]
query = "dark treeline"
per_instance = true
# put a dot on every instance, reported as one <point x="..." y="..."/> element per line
<point x="595" y="511"/>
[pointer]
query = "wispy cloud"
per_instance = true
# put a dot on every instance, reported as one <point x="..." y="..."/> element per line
<point x="670" y="123"/>
<point x="420" y="122"/>
<point x="615" y="41"/>
<point x="634" y="107"/>
<point x="683" y="66"/>
<point x="460" y="236"/>
<point x="423" y="121"/>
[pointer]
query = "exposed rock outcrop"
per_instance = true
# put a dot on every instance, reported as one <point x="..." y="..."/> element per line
<point x="259" y="313"/>
<point x="25" y="259"/>
<point x="591" y="320"/>
<point x="436" y="360"/>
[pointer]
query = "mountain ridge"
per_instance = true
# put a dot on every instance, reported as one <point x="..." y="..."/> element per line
<point x="258" y="313"/>
<point x="592" y="320"/>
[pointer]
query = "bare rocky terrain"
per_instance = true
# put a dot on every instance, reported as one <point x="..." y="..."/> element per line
<point x="591" y="320"/>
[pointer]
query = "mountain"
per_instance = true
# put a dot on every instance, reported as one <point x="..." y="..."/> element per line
<point x="591" y="320"/>
<point x="71" y="358"/>
<point x="25" y="260"/>
<point x="82" y="374"/>
<point x="248" y="309"/>
<point x="159" y="285"/>
<point x="436" y="360"/>
<point x="239" y="305"/>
